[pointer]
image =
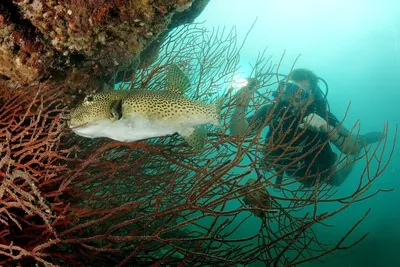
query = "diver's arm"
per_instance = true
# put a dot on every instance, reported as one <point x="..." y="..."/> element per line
<point x="339" y="136"/>
<point x="239" y="123"/>
<point x="352" y="144"/>
<point x="343" y="170"/>
<point x="347" y="144"/>
<point x="352" y="148"/>
<point x="252" y="125"/>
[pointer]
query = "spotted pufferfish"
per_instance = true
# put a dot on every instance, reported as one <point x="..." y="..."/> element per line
<point x="132" y="115"/>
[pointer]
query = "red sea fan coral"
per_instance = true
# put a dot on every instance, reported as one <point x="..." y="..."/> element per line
<point x="67" y="200"/>
<point x="30" y="168"/>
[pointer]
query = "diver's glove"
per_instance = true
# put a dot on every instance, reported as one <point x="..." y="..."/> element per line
<point x="316" y="124"/>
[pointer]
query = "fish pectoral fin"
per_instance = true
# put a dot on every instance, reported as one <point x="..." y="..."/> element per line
<point x="116" y="109"/>
<point x="195" y="137"/>
<point x="177" y="81"/>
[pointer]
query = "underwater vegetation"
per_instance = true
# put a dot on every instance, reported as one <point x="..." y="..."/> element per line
<point x="67" y="200"/>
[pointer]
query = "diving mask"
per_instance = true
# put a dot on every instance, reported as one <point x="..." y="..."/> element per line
<point x="291" y="89"/>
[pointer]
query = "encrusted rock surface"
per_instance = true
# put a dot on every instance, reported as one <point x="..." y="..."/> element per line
<point x="83" y="40"/>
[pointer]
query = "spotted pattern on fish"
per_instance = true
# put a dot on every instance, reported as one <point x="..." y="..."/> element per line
<point x="166" y="105"/>
<point x="129" y="116"/>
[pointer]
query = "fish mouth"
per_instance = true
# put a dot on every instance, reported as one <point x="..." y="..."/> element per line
<point x="73" y="127"/>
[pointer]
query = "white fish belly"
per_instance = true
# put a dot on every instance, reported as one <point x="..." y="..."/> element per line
<point x="129" y="130"/>
<point x="137" y="128"/>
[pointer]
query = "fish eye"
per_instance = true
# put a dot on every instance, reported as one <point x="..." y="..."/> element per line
<point x="89" y="98"/>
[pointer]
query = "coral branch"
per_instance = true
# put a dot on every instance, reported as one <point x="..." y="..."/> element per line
<point x="70" y="200"/>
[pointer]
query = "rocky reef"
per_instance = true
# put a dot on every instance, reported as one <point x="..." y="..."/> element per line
<point x="84" y="42"/>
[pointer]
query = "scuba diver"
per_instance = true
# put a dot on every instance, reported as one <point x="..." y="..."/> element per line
<point x="301" y="124"/>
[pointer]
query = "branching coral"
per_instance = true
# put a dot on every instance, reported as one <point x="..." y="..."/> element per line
<point x="31" y="166"/>
<point x="157" y="202"/>
<point x="164" y="204"/>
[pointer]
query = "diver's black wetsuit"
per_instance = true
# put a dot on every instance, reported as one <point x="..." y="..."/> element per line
<point x="315" y="157"/>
